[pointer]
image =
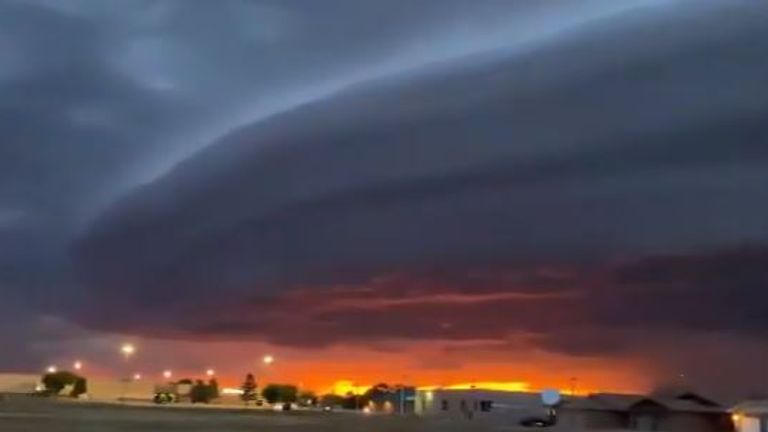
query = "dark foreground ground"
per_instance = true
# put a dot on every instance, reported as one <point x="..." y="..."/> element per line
<point x="41" y="415"/>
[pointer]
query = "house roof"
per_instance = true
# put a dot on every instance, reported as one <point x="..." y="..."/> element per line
<point x="627" y="402"/>
<point x="617" y="401"/>
<point x="758" y="407"/>
<point x="687" y="405"/>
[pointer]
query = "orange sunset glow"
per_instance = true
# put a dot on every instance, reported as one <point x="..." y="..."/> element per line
<point x="345" y="369"/>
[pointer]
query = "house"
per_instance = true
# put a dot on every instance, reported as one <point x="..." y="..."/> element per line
<point x="684" y="413"/>
<point x="601" y="411"/>
<point x="751" y="416"/>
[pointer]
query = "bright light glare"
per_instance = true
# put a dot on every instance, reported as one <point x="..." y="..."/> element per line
<point x="210" y="372"/>
<point x="167" y="374"/>
<point x="51" y="369"/>
<point x="136" y="377"/>
<point x="268" y="359"/>
<point x="78" y="365"/>
<point x="128" y="349"/>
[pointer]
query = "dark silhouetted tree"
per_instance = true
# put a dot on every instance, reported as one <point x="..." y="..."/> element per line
<point x="284" y="393"/>
<point x="199" y="392"/>
<point x="55" y="382"/>
<point x="213" y="389"/>
<point x="307" y="398"/>
<point x="249" y="388"/>
<point x="80" y="387"/>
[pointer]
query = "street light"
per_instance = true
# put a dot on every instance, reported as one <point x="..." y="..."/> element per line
<point x="167" y="374"/>
<point x="78" y="365"/>
<point x="268" y="359"/>
<point x="136" y="376"/>
<point x="51" y="369"/>
<point x="210" y="372"/>
<point x="128" y="350"/>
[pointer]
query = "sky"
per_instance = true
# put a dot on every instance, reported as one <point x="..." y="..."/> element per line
<point x="432" y="192"/>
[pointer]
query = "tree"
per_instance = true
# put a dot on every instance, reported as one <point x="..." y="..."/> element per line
<point x="199" y="392"/>
<point x="307" y="398"/>
<point x="249" y="388"/>
<point x="351" y="401"/>
<point x="378" y="394"/>
<point x="284" y="393"/>
<point x="80" y="387"/>
<point x="213" y="388"/>
<point x="55" y="382"/>
<point x="331" y="400"/>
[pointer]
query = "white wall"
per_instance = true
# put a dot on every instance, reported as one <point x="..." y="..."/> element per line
<point x="18" y="383"/>
<point x="748" y="424"/>
<point x="507" y="408"/>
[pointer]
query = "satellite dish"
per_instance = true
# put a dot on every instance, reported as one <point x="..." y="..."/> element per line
<point x="550" y="397"/>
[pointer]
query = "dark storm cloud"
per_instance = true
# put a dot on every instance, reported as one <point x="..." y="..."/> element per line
<point x="97" y="96"/>
<point x="625" y="138"/>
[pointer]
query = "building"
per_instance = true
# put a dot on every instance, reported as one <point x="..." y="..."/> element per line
<point x="751" y="416"/>
<point x="602" y="411"/>
<point x="497" y="407"/>
<point x="18" y="383"/>
<point x="683" y="413"/>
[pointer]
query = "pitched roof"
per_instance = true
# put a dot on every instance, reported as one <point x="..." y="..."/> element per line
<point x="617" y="401"/>
<point x="756" y="407"/>
<point x="626" y="402"/>
<point x="687" y="405"/>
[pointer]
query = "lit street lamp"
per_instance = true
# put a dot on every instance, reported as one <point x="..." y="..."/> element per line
<point x="128" y="350"/>
<point x="167" y="374"/>
<point x="210" y="372"/>
<point x="51" y="369"/>
<point x="268" y="359"/>
<point x="136" y="377"/>
<point x="78" y="365"/>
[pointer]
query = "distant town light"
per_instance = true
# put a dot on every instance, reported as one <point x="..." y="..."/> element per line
<point x="268" y="359"/>
<point x="51" y="369"/>
<point x="167" y="374"/>
<point x="210" y="372"/>
<point x="78" y="365"/>
<point x="136" y="377"/>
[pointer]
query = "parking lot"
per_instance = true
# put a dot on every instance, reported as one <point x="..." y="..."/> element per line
<point x="24" y="414"/>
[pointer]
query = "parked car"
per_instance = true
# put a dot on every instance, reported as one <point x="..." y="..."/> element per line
<point x="537" y="422"/>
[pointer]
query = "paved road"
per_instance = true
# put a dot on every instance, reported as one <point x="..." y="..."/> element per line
<point x="42" y="415"/>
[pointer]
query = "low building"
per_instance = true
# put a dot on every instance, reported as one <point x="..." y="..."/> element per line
<point x="684" y="413"/>
<point x="601" y="411"/>
<point x="18" y="383"/>
<point x="498" y="407"/>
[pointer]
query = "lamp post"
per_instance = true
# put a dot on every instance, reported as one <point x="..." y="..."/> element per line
<point x="267" y="362"/>
<point x="127" y="350"/>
